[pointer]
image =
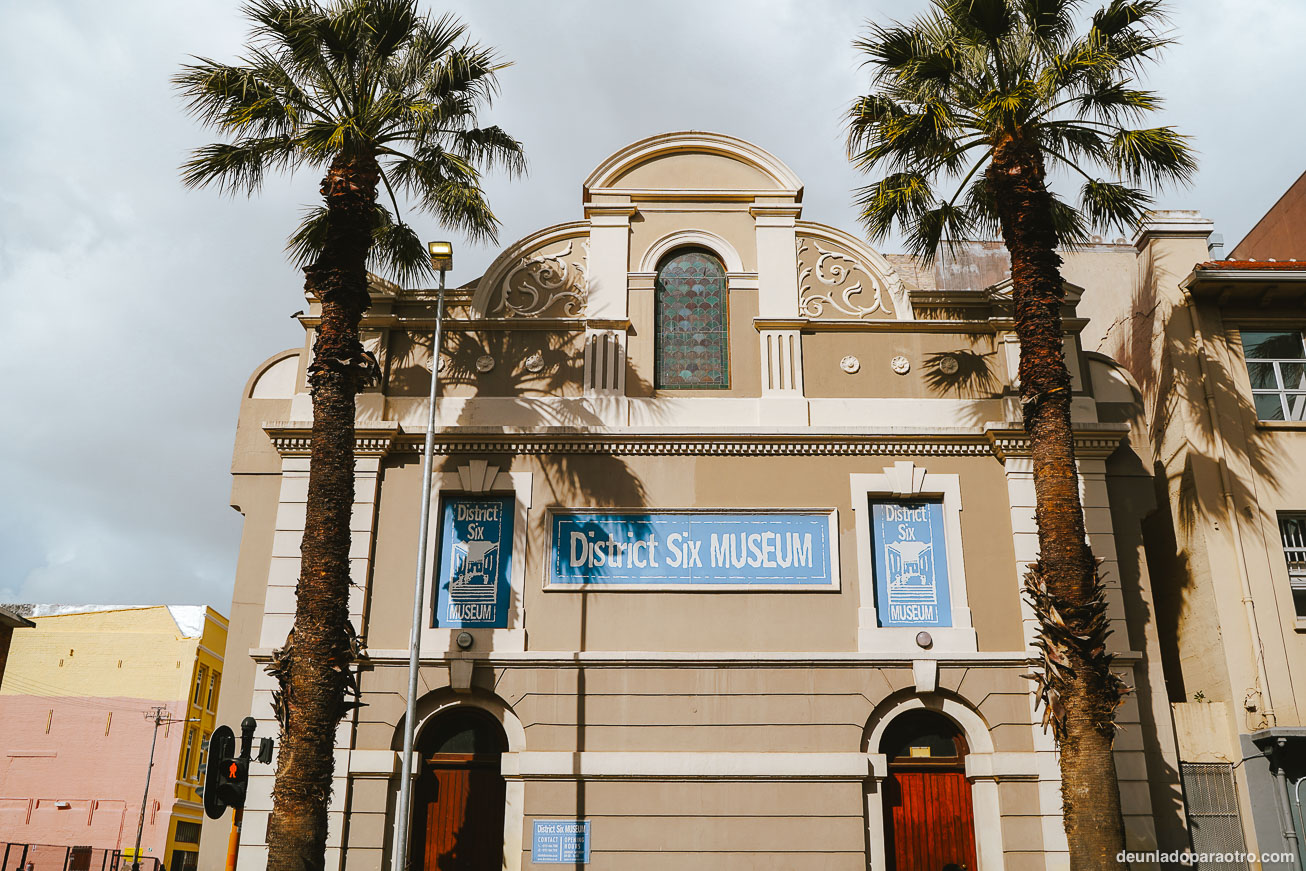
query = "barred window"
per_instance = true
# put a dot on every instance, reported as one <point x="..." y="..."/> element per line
<point x="1276" y="364"/>
<point x="692" y="346"/>
<point x="199" y="686"/>
<point x="1292" y="530"/>
<point x="187" y="832"/>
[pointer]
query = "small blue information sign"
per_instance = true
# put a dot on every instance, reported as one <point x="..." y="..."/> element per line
<point x="561" y="842"/>
<point x="475" y="562"/>
<point x="911" y="564"/>
<point x="773" y="550"/>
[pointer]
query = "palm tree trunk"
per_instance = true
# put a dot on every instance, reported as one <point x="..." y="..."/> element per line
<point x="1087" y="692"/>
<point x="315" y="660"/>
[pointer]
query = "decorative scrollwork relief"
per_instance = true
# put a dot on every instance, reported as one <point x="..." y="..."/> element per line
<point x="833" y="283"/>
<point x="546" y="284"/>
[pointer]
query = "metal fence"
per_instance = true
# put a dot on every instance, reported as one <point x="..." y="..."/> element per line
<point x="49" y="857"/>
<point x="1213" y="819"/>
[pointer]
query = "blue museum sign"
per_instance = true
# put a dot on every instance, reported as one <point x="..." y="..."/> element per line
<point x="677" y="549"/>
<point x="475" y="562"/>
<point x="560" y="842"/>
<point x="911" y="564"/>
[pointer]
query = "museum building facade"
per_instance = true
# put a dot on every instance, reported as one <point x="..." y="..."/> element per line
<point x="731" y="518"/>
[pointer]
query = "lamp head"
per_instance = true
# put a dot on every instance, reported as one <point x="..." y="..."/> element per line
<point x="441" y="255"/>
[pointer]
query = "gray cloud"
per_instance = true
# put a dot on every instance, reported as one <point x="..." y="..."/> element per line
<point x="134" y="310"/>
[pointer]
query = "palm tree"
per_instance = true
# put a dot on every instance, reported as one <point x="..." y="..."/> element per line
<point x="991" y="94"/>
<point x="375" y="95"/>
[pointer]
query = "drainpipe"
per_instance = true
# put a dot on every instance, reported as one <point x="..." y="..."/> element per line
<point x="1262" y="688"/>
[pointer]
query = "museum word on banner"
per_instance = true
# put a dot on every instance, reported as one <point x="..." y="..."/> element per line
<point x="911" y="564"/>
<point x="773" y="550"/>
<point x="475" y="561"/>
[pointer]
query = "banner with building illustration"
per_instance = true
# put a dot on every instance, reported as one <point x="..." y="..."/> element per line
<point x="911" y="564"/>
<point x="742" y="550"/>
<point x="475" y="562"/>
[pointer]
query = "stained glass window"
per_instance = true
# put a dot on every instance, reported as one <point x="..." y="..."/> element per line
<point x="692" y="346"/>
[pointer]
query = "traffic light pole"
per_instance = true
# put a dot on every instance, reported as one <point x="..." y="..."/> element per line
<point x="247" y="727"/>
<point x="233" y="840"/>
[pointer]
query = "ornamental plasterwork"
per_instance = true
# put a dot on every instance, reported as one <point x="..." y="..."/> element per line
<point x="546" y="284"/>
<point x="835" y="283"/>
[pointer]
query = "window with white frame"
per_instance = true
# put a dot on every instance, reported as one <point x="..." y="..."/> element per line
<point x="1292" y="530"/>
<point x="1276" y="364"/>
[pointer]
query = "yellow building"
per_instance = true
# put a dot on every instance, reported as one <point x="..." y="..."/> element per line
<point x="78" y="711"/>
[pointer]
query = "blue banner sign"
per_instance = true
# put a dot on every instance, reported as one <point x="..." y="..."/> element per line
<point x="475" y="561"/>
<point x="911" y="564"/>
<point x="677" y="549"/>
<point x="561" y="842"/>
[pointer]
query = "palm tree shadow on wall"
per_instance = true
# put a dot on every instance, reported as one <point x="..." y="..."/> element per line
<point x="1194" y="392"/>
<point x="976" y="377"/>
<point x="594" y="478"/>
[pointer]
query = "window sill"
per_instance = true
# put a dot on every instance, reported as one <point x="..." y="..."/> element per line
<point x="1281" y="424"/>
<point x="1301" y="624"/>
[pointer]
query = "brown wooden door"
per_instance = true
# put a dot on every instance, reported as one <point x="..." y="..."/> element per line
<point x="459" y="808"/>
<point x="929" y="820"/>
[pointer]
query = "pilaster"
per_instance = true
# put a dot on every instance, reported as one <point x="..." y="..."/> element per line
<point x="609" y="259"/>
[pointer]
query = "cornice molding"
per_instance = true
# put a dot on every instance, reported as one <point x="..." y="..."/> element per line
<point x="1096" y="443"/>
<point x="295" y="438"/>
<point x="1092" y="441"/>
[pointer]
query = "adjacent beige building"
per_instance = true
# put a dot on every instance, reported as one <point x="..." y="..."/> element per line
<point x="733" y="516"/>
<point x="1216" y="349"/>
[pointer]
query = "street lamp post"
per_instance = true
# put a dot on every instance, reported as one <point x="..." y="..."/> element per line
<point x="441" y="259"/>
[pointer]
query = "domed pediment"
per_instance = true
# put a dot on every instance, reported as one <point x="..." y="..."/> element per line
<point x="693" y="161"/>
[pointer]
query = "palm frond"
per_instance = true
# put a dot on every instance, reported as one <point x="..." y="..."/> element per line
<point x="1107" y="204"/>
<point x="492" y="148"/>
<point x="941" y="226"/>
<point x="1071" y="227"/>
<point x="990" y="19"/>
<point x="1049" y="22"/>
<point x="397" y="252"/>
<point x="241" y="166"/>
<point x="1118" y="15"/>
<point x="900" y="198"/>
<point x="1112" y="101"/>
<point x="1156" y="156"/>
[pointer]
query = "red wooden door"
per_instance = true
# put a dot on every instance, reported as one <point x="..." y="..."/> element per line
<point x="929" y="820"/>
<point x="460" y="809"/>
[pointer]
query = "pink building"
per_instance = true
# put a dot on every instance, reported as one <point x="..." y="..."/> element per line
<point x="77" y="710"/>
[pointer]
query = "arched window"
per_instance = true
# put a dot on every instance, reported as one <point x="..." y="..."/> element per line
<point x="692" y="346"/>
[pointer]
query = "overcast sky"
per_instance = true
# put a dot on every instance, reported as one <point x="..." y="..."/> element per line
<point x="134" y="310"/>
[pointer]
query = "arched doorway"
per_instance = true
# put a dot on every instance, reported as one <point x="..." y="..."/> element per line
<point x="929" y="818"/>
<point x="459" y="796"/>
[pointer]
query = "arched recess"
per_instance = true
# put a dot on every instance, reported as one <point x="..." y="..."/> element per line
<point x="431" y="706"/>
<point x="691" y="239"/>
<point x="984" y="786"/>
<point x="276" y="377"/>
<point x="608" y="174"/>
